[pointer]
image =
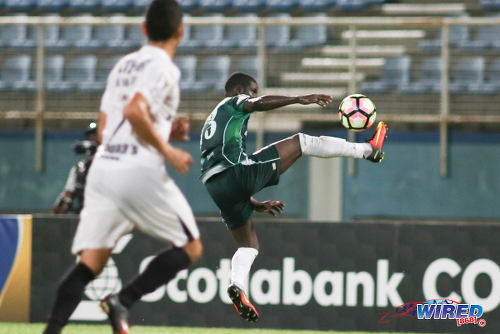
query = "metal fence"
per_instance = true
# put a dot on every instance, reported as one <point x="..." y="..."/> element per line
<point x="441" y="72"/>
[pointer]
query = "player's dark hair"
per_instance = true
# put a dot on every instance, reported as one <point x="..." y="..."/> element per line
<point x="238" y="79"/>
<point x="163" y="17"/>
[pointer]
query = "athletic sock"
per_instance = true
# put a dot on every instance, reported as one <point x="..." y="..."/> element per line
<point x="240" y="266"/>
<point x="159" y="271"/>
<point x="68" y="296"/>
<point x="331" y="147"/>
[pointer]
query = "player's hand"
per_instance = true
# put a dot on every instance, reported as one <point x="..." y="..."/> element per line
<point x="180" y="129"/>
<point x="179" y="159"/>
<point x="272" y="207"/>
<point x="320" y="99"/>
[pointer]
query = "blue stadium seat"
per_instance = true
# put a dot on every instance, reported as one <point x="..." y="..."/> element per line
<point x="203" y="36"/>
<point x="52" y="5"/>
<point x="134" y="38"/>
<point x="316" y="5"/>
<point x="486" y="38"/>
<point x="249" y="65"/>
<point x="110" y="36"/>
<point x="351" y="5"/>
<point x="78" y="35"/>
<point x="490" y="4"/>
<point x="249" y="5"/>
<point x="456" y="34"/>
<point x="491" y="86"/>
<point x="215" y="5"/>
<point x="429" y="79"/>
<point x="395" y="73"/>
<point x="187" y="65"/>
<point x="281" y="5"/>
<point x="466" y="73"/>
<point x="212" y="73"/>
<point x="84" y="5"/>
<point x="309" y="36"/>
<point x="53" y="74"/>
<point x="16" y="36"/>
<point x="104" y="67"/>
<point x="80" y="73"/>
<point x="241" y="36"/>
<point x="278" y="35"/>
<point x="15" y="74"/>
<point x="189" y="5"/>
<point x="116" y="5"/>
<point x="20" y="5"/>
<point x="51" y="33"/>
<point x="140" y="5"/>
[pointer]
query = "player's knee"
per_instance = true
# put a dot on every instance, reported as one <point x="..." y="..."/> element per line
<point x="194" y="249"/>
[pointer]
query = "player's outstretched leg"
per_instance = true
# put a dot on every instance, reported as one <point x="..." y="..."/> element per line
<point x="377" y="142"/>
<point x="117" y="314"/>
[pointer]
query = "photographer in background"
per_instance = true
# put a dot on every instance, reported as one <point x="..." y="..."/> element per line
<point x="70" y="200"/>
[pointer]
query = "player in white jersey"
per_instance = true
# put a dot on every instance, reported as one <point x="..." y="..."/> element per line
<point x="128" y="186"/>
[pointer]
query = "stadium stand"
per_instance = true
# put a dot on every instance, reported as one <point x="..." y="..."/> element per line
<point x="241" y="36"/>
<point x="212" y="73"/>
<point x="16" y="36"/>
<point x="53" y="74"/>
<point x="141" y="5"/>
<point x="485" y="38"/>
<point x="20" y="5"/>
<point x="104" y="66"/>
<point x="466" y="73"/>
<point x="248" y="65"/>
<point x="80" y="73"/>
<point x="490" y="4"/>
<point x="352" y="5"/>
<point x="215" y="5"/>
<point x="457" y="35"/>
<point x="203" y="36"/>
<point x="110" y="36"/>
<point x="395" y="73"/>
<point x="278" y="36"/>
<point x="316" y="5"/>
<point x="15" y="74"/>
<point x="429" y="78"/>
<point x="187" y="65"/>
<point x="78" y="36"/>
<point x="52" y="5"/>
<point x="309" y="36"/>
<point x="116" y="5"/>
<point x="491" y="86"/>
<point x="249" y="5"/>
<point x="84" y="5"/>
<point x="281" y="5"/>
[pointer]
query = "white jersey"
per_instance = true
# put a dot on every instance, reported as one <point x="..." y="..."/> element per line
<point x="151" y="72"/>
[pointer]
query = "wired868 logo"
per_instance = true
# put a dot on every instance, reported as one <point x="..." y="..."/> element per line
<point x="450" y="309"/>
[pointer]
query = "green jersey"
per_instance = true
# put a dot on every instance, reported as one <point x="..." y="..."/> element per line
<point x="223" y="137"/>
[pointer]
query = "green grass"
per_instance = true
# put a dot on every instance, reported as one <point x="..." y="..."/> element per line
<point x="19" y="328"/>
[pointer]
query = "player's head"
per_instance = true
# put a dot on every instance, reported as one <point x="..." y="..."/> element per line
<point x="163" y="21"/>
<point x="241" y="83"/>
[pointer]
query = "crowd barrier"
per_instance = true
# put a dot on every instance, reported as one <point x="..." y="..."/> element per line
<point x="309" y="275"/>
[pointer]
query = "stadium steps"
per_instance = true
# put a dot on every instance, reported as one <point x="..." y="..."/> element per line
<point x="320" y="77"/>
<point x="327" y="62"/>
<point x="368" y="50"/>
<point x="423" y="8"/>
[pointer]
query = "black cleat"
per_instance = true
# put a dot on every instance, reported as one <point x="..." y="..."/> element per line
<point x="377" y="142"/>
<point x="242" y="305"/>
<point x="117" y="314"/>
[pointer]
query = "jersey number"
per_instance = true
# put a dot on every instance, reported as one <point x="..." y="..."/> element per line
<point x="210" y="131"/>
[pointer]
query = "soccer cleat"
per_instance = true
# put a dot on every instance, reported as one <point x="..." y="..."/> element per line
<point x="242" y="305"/>
<point x="117" y="314"/>
<point x="377" y="142"/>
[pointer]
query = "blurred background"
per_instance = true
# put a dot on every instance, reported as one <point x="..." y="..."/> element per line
<point x="431" y="67"/>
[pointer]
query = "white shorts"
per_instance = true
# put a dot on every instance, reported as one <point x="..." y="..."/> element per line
<point x="119" y="199"/>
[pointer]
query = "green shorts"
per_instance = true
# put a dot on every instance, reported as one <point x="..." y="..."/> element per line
<point x="231" y="189"/>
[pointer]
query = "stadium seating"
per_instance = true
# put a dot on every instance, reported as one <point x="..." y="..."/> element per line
<point x="309" y="36"/>
<point x="104" y="67"/>
<point x="278" y="35"/>
<point x="212" y="73"/>
<point x="316" y="5"/>
<point x="490" y="4"/>
<point x="249" y="64"/>
<point x="78" y="35"/>
<point x="52" y="5"/>
<point x="15" y="74"/>
<point x="352" y="5"/>
<point x="188" y="5"/>
<point x="456" y="34"/>
<point x="84" y="5"/>
<point x="140" y="5"/>
<point x="429" y="78"/>
<point x="53" y="74"/>
<point x="395" y="73"/>
<point x="466" y="73"/>
<point x="486" y="38"/>
<point x="215" y="5"/>
<point x="109" y="36"/>
<point x="80" y="73"/>
<point x="281" y="5"/>
<point x="16" y="36"/>
<point x="187" y="65"/>
<point x="203" y="36"/>
<point x="241" y="36"/>
<point x="20" y="5"/>
<point x="249" y="5"/>
<point x="491" y="85"/>
<point x="116" y="5"/>
<point x="134" y="37"/>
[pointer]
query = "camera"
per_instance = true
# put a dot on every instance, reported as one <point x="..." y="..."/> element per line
<point x="87" y="147"/>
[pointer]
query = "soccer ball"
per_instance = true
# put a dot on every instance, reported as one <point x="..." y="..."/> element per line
<point x="357" y="112"/>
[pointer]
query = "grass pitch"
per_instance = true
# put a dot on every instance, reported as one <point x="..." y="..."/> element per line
<point x="18" y="328"/>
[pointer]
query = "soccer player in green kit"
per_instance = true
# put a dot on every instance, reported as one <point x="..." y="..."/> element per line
<point x="232" y="176"/>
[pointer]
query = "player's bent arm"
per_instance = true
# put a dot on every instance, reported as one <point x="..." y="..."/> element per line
<point x="136" y="112"/>
<point x="270" y="102"/>
<point x="101" y="124"/>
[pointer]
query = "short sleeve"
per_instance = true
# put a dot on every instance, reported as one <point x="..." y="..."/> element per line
<point x="239" y="101"/>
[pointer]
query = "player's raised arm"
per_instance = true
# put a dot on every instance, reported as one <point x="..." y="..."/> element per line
<point x="270" y="102"/>
<point x="137" y="113"/>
